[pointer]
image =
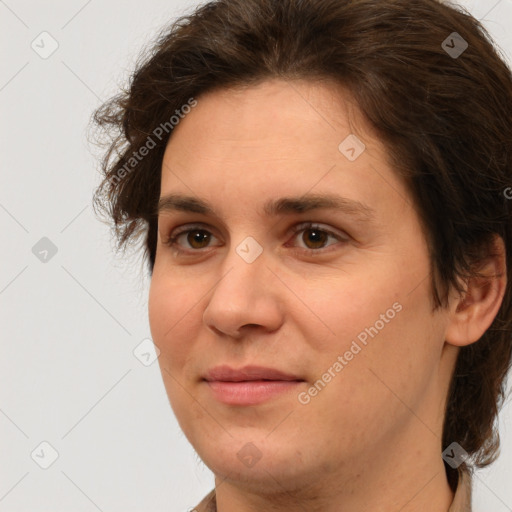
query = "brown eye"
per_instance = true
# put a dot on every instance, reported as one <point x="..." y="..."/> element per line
<point x="315" y="238"/>
<point x="190" y="240"/>
<point x="198" y="238"/>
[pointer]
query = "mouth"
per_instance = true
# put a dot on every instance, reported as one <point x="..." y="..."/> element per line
<point x="250" y="385"/>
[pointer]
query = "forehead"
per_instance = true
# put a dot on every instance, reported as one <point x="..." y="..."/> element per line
<point x="277" y="138"/>
<point x="277" y="113"/>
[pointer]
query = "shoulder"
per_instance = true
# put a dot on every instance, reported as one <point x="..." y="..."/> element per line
<point x="208" y="503"/>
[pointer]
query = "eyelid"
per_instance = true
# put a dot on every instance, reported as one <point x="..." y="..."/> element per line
<point x="295" y="230"/>
<point x="321" y="227"/>
<point x="185" y="229"/>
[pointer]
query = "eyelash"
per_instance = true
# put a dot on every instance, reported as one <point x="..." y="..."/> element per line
<point x="171" y="240"/>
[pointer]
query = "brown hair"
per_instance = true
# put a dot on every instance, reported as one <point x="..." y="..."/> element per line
<point x="445" y="118"/>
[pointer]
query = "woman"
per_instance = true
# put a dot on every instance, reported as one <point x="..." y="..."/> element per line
<point x="322" y="190"/>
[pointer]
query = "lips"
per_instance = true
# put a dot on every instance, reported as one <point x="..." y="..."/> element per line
<point x="248" y="373"/>
<point x="250" y="385"/>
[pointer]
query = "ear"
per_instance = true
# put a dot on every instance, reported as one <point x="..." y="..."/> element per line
<point x="471" y="314"/>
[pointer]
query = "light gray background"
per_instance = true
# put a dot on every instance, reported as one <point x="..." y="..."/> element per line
<point x="70" y="325"/>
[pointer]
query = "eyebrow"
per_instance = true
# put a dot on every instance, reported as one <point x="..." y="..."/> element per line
<point x="275" y="207"/>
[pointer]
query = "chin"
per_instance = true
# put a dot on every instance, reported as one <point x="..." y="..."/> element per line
<point x="259" y="465"/>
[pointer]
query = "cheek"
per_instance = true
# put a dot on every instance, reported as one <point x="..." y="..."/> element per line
<point x="349" y="306"/>
<point x="172" y="318"/>
<point x="159" y="302"/>
<point x="400" y="353"/>
<point x="382" y="329"/>
<point x="385" y="378"/>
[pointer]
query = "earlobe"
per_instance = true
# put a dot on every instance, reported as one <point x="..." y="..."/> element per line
<point x="473" y="312"/>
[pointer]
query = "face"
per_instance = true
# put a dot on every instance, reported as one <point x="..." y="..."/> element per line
<point x="290" y="297"/>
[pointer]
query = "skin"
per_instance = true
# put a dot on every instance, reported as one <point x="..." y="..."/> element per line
<point x="371" y="438"/>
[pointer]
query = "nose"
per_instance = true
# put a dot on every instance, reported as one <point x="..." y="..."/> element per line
<point x="247" y="296"/>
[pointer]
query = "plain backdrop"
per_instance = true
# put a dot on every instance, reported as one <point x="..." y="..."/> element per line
<point x="84" y="424"/>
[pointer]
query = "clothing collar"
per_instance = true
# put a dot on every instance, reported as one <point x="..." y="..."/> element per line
<point x="462" y="499"/>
